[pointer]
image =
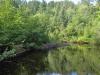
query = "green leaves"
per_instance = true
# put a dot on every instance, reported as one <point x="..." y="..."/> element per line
<point x="7" y="54"/>
<point x="38" y="22"/>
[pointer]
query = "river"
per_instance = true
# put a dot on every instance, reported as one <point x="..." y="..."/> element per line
<point x="70" y="60"/>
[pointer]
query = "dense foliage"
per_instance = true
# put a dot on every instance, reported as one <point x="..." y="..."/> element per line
<point x="35" y="23"/>
<point x="39" y="22"/>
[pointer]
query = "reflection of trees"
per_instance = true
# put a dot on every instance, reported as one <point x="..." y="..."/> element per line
<point x="75" y="58"/>
<point x="28" y="65"/>
<point x="31" y="64"/>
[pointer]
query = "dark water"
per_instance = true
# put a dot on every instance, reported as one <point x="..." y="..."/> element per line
<point x="70" y="60"/>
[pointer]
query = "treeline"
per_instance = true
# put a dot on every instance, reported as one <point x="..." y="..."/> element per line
<point x="34" y="23"/>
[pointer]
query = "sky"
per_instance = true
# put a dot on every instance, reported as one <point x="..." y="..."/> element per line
<point x="75" y="1"/>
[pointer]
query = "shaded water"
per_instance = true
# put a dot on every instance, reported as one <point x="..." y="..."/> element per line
<point x="70" y="60"/>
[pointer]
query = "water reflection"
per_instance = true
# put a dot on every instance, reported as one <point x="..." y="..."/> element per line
<point x="28" y="65"/>
<point x="71" y="60"/>
<point x="72" y="73"/>
<point x="81" y="59"/>
<point x="48" y="74"/>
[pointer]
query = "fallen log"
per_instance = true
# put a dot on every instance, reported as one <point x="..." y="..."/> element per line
<point x="21" y="51"/>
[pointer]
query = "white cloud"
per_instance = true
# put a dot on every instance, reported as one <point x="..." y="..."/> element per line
<point x="53" y="0"/>
<point x="75" y="1"/>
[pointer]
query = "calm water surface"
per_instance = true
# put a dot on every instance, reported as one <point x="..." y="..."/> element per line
<point x="70" y="60"/>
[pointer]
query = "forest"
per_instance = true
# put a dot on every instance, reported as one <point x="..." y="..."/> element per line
<point x="34" y="23"/>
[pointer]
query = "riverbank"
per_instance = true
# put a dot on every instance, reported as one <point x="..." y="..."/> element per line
<point x="21" y="50"/>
